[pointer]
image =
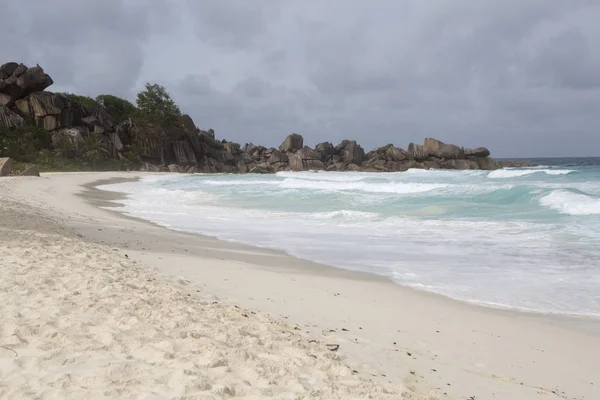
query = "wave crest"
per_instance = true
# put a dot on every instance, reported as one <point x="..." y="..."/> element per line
<point x="515" y="173"/>
<point x="567" y="202"/>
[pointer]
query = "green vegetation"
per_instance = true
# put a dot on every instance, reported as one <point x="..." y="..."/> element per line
<point x="86" y="101"/>
<point x="22" y="143"/>
<point x="94" y="149"/>
<point x="31" y="144"/>
<point x="155" y="105"/>
<point x="120" y="109"/>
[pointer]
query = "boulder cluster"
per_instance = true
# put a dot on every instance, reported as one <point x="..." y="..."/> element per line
<point x="185" y="148"/>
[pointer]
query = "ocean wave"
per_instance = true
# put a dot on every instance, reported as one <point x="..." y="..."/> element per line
<point x="395" y="187"/>
<point x="239" y="182"/>
<point x="326" y="176"/>
<point x="442" y="172"/>
<point x="567" y="202"/>
<point x="515" y="173"/>
<point x="343" y="215"/>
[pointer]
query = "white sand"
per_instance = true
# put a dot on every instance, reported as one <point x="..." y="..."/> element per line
<point x="81" y="320"/>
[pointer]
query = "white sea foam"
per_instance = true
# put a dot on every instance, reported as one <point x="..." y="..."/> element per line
<point x="326" y="176"/>
<point x="392" y="187"/>
<point x="515" y="173"/>
<point x="238" y="182"/>
<point x="571" y="203"/>
<point x="442" y="173"/>
<point x="349" y="215"/>
<point x="454" y="232"/>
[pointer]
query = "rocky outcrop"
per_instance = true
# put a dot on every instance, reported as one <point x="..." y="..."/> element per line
<point x="417" y="152"/>
<point x="386" y="158"/>
<point x="514" y="164"/>
<point x="73" y="137"/>
<point x="306" y="159"/>
<point x="9" y="118"/>
<point x="292" y="143"/>
<point x="184" y="148"/>
<point x="350" y="152"/>
<point x="478" y="152"/>
<point x="52" y="111"/>
<point x="17" y="81"/>
<point x="5" y="166"/>
<point x="32" y="170"/>
<point x="438" y="149"/>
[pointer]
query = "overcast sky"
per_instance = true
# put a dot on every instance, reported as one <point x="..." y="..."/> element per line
<point x="521" y="77"/>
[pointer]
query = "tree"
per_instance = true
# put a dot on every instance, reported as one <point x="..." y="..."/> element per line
<point x="120" y="109"/>
<point x="155" y="104"/>
<point x="23" y="142"/>
<point x="86" y="101"/>
<point x="94" y="148"/>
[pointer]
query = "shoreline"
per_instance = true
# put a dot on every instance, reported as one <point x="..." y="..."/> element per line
<point x="587" y="322"/>
<point x="387" y="331"/>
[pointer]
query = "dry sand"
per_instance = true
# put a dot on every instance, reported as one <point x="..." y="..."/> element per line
<point x="94" y="304"/>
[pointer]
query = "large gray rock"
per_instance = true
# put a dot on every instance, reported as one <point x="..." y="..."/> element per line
<point x="5" y="166"/>
<point x="513" y="164"/>
<point x="292" y="143"/>
<point x="417" y="152"/>
<point x="184" y="154"/>
<point x="458" y="164"/>
<point x="20" y="81"/>
<point x="326" y="150"/>
<point x="149" y="167"/>
<point x="478" y="152"/>
<point x="176" y="168"/>
<point x="439" y="149"/>
<point x="260" y="169"/>
<point x="350" y="152"/>
<point x="187" y="122"/>
<point x="486" y="163"/>
<point x="386" y="153"/>
<point x="277" y="157"/>
<point x="242" y="167"/>
<point x="51" y="111"/>
<point x="75" y="136"/>
<point x="8" y="69"/>
<point x="306" y="159"/>
<point x="32" y="170"/>
<point x="9" y="119"/>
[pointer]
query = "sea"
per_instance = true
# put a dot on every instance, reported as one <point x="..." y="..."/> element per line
<point x="522" y="238"/>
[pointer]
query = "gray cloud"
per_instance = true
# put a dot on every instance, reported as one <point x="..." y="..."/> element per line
<point x="86" y="46"/>
<point x="522" y="78"/>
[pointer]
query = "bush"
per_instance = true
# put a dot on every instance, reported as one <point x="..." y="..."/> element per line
<point x="155" y="105"/>
<point x="94" y="149"/>
<point x="120" y="109"/>
<point x="22" y="143"/>
<point x="86" y="101"/>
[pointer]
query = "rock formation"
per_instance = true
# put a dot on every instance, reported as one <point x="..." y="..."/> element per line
<point x="31" y="171"/>
<point x="17" y="81"/>
<point x="186" y="148"/>
<point x="9" y="118"/>
<point x="5" y="166"/>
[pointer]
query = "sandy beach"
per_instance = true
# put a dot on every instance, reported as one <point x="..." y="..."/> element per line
<point x="95" y="304"/>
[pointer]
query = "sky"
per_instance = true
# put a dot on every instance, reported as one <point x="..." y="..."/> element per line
<point x="519" y="77"/>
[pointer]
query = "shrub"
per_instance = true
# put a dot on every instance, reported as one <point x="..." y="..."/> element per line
<point x="86" y="101"/>
<point x="156" y="106"/>
<point x="120" y="109"/>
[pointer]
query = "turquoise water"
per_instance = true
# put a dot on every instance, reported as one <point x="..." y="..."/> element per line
<point x="522" y="238"/>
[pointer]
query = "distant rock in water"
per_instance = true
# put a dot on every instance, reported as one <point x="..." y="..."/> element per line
<point x="185" y="148"/>
<point x="514" y="164"/>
